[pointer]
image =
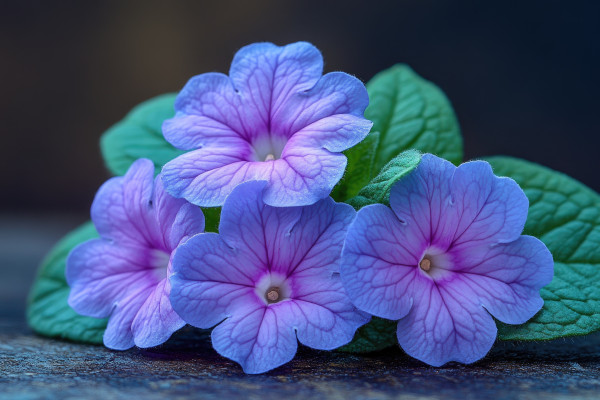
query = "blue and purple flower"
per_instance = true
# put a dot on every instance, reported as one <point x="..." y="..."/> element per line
<point x="274" y="118"/>
<point x="446" y="258"/>
<point x="269" y="279"/>
<point x="123" y="274"/>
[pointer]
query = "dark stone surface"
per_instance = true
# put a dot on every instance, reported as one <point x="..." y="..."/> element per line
<point x="33" y="367"/>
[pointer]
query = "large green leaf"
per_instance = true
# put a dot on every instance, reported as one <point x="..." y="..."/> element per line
<point x="139" y="135"/>
<point x="380" y="333"/>
<point x="410" y="112"/>
<point x="48" y="312"/>
<point x="565" y="215"/>
<point x="359" y="171"/>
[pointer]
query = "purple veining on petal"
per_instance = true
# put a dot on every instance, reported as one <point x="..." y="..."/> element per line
<point x="445" y="324"/>
<point x="270" y="278"/>
<point x="123" y="275"/>
<point x="275" y="118"/>
<point x="444" y="257"/>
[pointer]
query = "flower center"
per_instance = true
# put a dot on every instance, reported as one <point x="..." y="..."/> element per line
<point x="425" y="264"/>
<point x="435" y="263"/>
<point x="273" y="294"/>
<point x="268" y="147"/>
<point x="273" y="288"/>
<point x="159" y="262"/>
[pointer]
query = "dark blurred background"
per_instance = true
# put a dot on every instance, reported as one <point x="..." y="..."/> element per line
<point x="524" y="80"/>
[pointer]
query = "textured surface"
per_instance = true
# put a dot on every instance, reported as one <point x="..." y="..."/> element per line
<point x="33" y="367"/>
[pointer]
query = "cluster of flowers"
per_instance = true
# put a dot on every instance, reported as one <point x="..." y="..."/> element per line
<point x="290" y="264"/>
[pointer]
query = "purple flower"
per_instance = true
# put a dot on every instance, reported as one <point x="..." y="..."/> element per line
<point x="274" y="118"/>
<point x="123" y="274"/>
<point x="269" y="278"/>
<point x="447" y="255"/>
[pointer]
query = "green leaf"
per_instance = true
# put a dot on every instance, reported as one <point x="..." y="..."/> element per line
<point x="380" y="333"/>
<point x="212" y="215"/>
<point x="378" y="190"/>
<point x="139" y="135"/>
<point x="360" y="168"/>
<point x="565" y="215"/>
<point x="410" y="112"/>
<point x="377" y="335"/>
<point x="48" y="312"/>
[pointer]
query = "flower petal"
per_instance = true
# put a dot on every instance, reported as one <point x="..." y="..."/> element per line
<point x="491" y="209"/>
<point x="118" y="334"/>
<point x="120" y="210"/>
<point x="506" y="278"/>
<point x="177" y="219"/>
<point x="210" y="278"/>
<point x="236" y="123"/>
<point x="303" y="176"/>
<point x="188" y="132"/>
<point x="256" y="338"/>
<point x="156" y="320"/>
<point x="122" y="274"/>
<point x="213" y="99"/>
<point x="267" y="76"/>
<point x="422" y="200"/>
<point x="205" y="177"/>
<point x="100" y="272"/>
<point x="314" y="243"/>
<point x="445" y="324"/>
<point x="335" y="133"/>
<point x="263" y="77"/>
<point x="379" y="262"/>
<point x="223" y="278"/>
<point x="321" y="312"/>
<point x="250" y="227"/>
<point x="335" y="93"/>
